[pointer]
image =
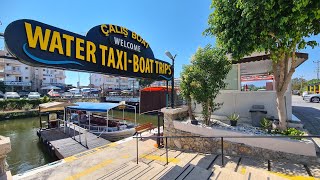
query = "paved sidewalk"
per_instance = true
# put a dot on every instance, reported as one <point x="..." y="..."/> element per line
<point x="91" y="164"/>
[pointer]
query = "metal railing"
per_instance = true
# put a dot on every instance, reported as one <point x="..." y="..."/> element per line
<point x="73" y="126"/>
<point x="211" y="137"/>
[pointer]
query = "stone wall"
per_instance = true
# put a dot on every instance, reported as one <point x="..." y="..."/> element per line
<point x="210" y="145"/>
<point x="5" y="148"/>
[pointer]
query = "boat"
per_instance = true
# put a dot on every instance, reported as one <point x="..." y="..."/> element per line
<point x="98" y="119"/>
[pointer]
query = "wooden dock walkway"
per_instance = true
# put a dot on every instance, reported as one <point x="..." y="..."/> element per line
<point x="69" y="143"/>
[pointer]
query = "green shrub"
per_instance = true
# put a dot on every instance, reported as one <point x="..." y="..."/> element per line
<point x="290" y="132"/>
<point x="18" y="104"/>
<point x="45" y="99"/>
<point x="233" y="117"/>
<point x="293" y="132"/>
<point x="266" y="123"/>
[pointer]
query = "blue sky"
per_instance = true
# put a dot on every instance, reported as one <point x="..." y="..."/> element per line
<point x="176" y="26"/>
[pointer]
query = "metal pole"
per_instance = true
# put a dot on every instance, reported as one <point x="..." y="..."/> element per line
<point x="137" y="149"/>
<point x="158" y="139"/>
<point x="133" y="88"/>
<point x="222" y="156"/>
<point x="167" y="150"/>
<point x="86" y="138"/>
<point x="79" y="134"/>
<point x="135" y="115"/>
<point x="74" y="131"/>
<point x="40" y="118"/>
<point x="64" y="119"/>
<point x="89" y="121"/>
<point x="167" y="94"/>
<point x="172" y="85"/>
<point x="107" y="120"/>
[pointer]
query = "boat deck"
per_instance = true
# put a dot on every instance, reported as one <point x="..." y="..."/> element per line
<point x="68" y="142"/>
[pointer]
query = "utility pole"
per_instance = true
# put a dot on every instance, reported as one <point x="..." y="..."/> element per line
<point x="301" y="79"/>
<point x="317" y="68"/>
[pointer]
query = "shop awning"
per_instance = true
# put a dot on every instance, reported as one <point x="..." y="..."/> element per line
<point x="94" y="107"/>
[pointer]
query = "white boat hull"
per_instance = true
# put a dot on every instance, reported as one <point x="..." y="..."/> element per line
<point x="116" y="135"/>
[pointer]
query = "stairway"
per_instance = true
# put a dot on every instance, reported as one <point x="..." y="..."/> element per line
<point x="189" y="166"/>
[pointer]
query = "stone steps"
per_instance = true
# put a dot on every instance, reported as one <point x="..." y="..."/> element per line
<point x="188" y="166"/>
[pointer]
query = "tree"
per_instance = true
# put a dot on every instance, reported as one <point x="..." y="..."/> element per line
<point x="2" y="87"/>
<point x="276" y="27"/>
<point x="145" y="82"/>
<point x="298" y="83"/>
<point x="209" y="68"/>
<point x="187" y="78"/>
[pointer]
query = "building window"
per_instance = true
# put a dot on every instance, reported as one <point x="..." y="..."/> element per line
<point x="55" y="70"/>
<point x="37" y="69"/>
<point x="8" y="75"/>
<point x="27" y="68"/>
<point x="44" y="78"/>
<point x="26" y="77"/>
<point x="43" y="70"/>
<point x="7" y="64"/>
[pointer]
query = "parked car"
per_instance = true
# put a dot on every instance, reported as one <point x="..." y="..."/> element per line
<point x="11" y="95"/>
<point x="296" y="92"/>
<point x="34" y="95"/>
<point x="315" y="98"/>
<point x="67" y="95"/>
<point x="54" y="94"/>
<point x="304" y="94"/>
<point x="23" y="94"/>
<point x="77" y="95"/>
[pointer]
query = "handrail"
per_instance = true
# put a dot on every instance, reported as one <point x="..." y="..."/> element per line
<point x="211" y="137"/>
<point x="84" y="131"/>
<point x="249" y="136"/>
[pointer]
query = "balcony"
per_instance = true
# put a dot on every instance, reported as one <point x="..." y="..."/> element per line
<point x="17" y="83"/>
<point x="53" y="84"/>
<point x="13" y="72"/>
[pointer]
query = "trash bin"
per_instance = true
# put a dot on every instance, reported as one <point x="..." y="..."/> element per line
<point x="257" y="114"/>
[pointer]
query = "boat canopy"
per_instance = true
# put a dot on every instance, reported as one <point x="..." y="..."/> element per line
<point x="94" y="107"/>
<point x="54" y="106"/>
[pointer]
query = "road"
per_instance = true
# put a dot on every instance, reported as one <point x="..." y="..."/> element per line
<point x="308" y="113"/>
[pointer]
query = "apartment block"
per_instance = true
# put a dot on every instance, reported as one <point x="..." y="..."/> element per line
<point x="113" y="82"/>
<point x="18" y="76"/>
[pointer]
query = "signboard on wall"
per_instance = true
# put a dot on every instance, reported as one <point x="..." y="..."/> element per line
<point x="106" y="49"/>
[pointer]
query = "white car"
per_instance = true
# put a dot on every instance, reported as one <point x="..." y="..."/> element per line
<point x="304" y="94"/>
<point x="315" y="98"/>
<point x="11" y="95"/>
<point x="33" y="95"/>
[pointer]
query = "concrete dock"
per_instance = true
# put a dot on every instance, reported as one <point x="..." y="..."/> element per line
<point x="65" y="142"/>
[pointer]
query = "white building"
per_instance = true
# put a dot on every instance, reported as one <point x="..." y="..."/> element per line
<point x="177" y="82"/>
<point x="18" y="76"/>
<point x="256" y="67"/>
<point x="113" y="82"/>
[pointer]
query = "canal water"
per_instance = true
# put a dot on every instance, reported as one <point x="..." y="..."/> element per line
<point x="27" y="152"/>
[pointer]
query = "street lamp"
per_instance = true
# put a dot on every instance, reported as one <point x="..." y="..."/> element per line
<point x="172" y="79"/>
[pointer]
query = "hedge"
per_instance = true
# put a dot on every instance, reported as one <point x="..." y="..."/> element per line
<point x="15" y="115"/>
<point x="21" y="104"/>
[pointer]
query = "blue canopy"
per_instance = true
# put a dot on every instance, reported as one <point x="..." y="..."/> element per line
<point x="94" y="107"/>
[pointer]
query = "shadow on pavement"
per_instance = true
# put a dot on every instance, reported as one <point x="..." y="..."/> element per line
<point x="310" y="117"/>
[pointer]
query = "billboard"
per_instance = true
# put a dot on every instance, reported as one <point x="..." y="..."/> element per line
<point x="106" y="49"/>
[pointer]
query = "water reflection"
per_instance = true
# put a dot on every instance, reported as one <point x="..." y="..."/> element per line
<point x="27" y="152"/>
